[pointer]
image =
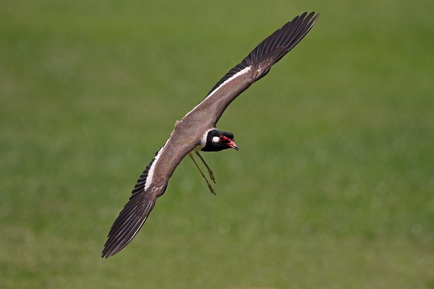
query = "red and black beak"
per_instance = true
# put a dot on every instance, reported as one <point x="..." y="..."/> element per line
<point x="230" y="142"/>
<point x="233" y="145"/>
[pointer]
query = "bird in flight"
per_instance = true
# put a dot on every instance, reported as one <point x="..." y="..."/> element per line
<point x="197" y="131"/>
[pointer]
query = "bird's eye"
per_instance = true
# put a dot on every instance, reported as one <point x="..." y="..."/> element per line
<point x="224" y="138"/>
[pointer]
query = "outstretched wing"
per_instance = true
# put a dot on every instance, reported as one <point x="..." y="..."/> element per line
<point x="151" y="185"/>
<point x="133" y="215"/>
<point x="255" y="66"/>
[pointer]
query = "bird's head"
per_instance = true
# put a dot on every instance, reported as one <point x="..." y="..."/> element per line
<point x="218" y="140"/>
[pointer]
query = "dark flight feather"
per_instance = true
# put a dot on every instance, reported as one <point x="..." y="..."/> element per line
<point x="274" y="47"/>
<point x="131" y="218"/>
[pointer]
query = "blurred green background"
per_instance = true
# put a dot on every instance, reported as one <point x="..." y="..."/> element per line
<point x="332" y="187"/>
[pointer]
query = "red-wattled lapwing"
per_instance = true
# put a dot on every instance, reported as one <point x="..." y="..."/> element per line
<point x="197" y="130"/>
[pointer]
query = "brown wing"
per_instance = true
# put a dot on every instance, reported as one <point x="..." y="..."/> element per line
<point x="151" y="185"/>
<point x="131" y="218"/>
<point x="255" y="66"/>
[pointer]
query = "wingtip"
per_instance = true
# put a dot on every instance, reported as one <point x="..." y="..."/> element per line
<point x="313" y="16"/>
<point x="309" y="15"/>
<point x="316" y="16"/>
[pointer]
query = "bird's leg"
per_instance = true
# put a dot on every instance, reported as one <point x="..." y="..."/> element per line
<point x="211" y="174"/>
<point x="206" y="180"/>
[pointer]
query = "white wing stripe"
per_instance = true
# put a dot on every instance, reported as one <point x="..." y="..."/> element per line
<point x="151" y="171"/>
<point x="239" y="73"/>
<point x="148" y="181"/>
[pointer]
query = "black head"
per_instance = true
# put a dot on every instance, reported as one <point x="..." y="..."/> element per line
<point x="219" y="140"/>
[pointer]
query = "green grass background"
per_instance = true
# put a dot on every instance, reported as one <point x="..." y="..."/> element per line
<point x="332" y="187"/>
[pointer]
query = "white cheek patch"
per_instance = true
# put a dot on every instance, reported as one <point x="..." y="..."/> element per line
<point x="204" y="138"/>
<point x="215" y="139"/>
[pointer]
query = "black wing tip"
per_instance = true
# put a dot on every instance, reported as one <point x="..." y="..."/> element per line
<point x="312" y="17"/>
<point x="106" y="254"/>
<point x="127" y="225"/>
<point x="257" y="54"/>
<point x="131" y="218"/>
<point x="307" y="14"/>
<point x="279" y="43"/>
